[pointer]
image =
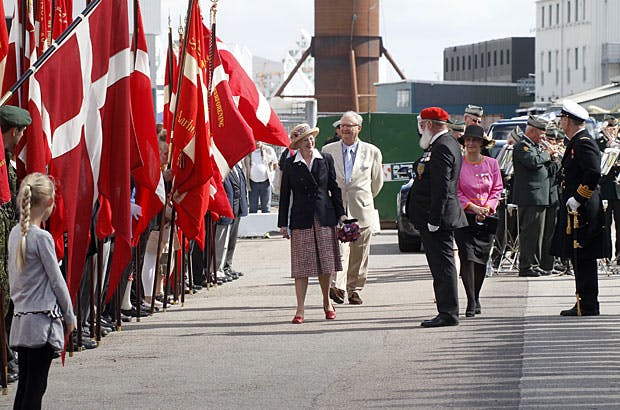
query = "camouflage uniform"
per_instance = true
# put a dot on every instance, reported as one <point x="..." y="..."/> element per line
<point x="8" y="219"/>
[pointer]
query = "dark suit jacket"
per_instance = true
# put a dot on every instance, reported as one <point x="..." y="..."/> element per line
<point x="531" y="177"/>
<point x="234" y="185"/>
<point x="314" y="193"/>
<point x="434" y="194"/>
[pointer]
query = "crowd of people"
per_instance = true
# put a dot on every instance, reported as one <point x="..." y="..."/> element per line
<point x="457" y="203"/>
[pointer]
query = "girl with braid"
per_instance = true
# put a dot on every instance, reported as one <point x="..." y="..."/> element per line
<point x="38" y="290"/>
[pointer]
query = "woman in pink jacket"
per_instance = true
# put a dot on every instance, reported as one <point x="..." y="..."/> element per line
<point x="479" y="190"/>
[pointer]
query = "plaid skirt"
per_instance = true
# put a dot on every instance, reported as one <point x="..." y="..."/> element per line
<point x="314" y="251"/>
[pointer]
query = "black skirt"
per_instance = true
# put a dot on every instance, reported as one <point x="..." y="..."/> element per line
<point x="474" y="245"/>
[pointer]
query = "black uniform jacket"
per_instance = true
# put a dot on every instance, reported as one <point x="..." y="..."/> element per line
<point x="581" y="171"/>
<point x="314" y="193"/>
<point x="433" y="198"/>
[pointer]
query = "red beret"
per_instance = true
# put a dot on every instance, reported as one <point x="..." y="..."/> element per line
<point x="434" y="113"/>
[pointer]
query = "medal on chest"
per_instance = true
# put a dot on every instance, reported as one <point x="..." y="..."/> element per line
<point x="422" y="163"/>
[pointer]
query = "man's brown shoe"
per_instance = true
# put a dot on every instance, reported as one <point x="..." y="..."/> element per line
<point x="354" y="299"/>
<point x="337" y="295"/>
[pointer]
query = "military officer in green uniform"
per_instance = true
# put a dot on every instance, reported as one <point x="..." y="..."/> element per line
<point x="530" y="192"/>
<point x="587" y="239"/>
<point x="13" y="121"/>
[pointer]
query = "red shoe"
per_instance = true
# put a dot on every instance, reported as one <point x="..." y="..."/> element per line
<point x="330" y="314"/>
<point x="298" y="320"/>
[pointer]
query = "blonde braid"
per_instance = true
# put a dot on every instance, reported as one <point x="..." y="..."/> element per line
<point x="24" y="223"/>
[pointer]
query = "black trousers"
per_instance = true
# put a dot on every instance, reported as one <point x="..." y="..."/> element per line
<point x="440" y="258"/>
<point x="34" y="366"/>
<point x="613" y="210"/>
<point x="586" y="280"/>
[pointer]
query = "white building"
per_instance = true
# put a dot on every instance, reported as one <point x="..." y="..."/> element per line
<point x="577" y="46"/>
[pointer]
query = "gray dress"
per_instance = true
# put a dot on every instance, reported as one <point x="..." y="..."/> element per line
<point x="39" y="292"/>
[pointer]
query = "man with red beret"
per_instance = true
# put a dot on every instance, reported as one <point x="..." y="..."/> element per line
<point x="435" y="209"/>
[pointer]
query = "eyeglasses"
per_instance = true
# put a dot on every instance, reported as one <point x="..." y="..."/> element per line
<point x="349" y="125"/>
<point x="475" y="120"/>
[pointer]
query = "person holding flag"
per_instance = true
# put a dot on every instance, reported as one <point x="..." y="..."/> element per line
<point x="13" y="122"/>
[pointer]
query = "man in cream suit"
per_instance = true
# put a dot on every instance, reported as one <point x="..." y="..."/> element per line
<point x="360" y="177"/>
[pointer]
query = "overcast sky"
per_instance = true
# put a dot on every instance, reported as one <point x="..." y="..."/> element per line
<point x="415" y="32"/>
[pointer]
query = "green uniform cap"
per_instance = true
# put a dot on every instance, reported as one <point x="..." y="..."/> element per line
<point x="14" y="116"/>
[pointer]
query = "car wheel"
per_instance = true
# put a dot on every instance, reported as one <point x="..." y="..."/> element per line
<point x="407" y="243"/>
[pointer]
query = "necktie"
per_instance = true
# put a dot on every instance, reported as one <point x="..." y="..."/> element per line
<point x="348" y="165"/>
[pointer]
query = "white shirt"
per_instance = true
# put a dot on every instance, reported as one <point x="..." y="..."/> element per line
<point x="315" y="154"/>
<point x="258" y="170"/>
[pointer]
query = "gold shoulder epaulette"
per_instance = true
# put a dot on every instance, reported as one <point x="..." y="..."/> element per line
<point x="585" y="191"/>
<point x="584" y="138"/>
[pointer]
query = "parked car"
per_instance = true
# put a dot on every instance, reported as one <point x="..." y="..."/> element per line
<point x="409" y="239"/>
<point x="500" y="130"/>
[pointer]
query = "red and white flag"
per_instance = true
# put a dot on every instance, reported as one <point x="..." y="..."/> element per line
<point x="62" y="16"/>
<point x="148" y="180"/>
<point x="170" y="89"/>
<point x="232" y="137"/>
<point x="5" y="191"/>
<point x="253" y="106"/>
<point x="85" y="112"/>
<point x="191" y="163"/>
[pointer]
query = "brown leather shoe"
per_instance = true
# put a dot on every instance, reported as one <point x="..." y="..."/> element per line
<point x="337" y="295"/>
<point x="354" y="299"/>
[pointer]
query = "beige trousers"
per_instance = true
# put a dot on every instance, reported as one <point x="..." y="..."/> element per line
<point x="355" y="262"/>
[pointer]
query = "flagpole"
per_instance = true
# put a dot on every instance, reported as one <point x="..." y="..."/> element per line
<point x="51" y="49"/>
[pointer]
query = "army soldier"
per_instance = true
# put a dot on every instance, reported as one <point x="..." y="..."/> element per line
<point x="584" y="238"/>
<point x="457" y="128"/>
<point x="13" y="121"/>
<point x="530" y="192"/>
<point x="473" y="115"/>
<point x="610" y="190"/>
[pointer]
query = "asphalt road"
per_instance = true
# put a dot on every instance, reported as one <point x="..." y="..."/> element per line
<point x="233" y="347"/>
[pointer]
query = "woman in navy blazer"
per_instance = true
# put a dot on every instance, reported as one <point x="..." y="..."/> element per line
<point x="309" y="181"/>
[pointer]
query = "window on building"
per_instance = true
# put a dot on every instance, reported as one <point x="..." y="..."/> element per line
<point x="557" y="69"/>
<point x="549" y="62"/>
<point x="583" y="9"/>
<point x="501" y="57"/>
<point x="475" y="61"/>
<point x="402" y="98"/>
<point x="488" y="58"/>
<point x="568" y="66"/>
<point x="542" y="17"/>
<point x="542" y="61"/>
<point x="445" y="67"/>
<point x="583" y="63"/>
<point x="508" y="56"/>
<point x="458" y="64"/>
<point x="482" y="60"/>
<point x="463" y="62"/>
<point x="452" y="64"/>
<point x="550" y="17"/>
<point x="469" y="62"/>
<point x="557" y="14"/>
<point x="576" y="10"/>
<point x="576" y="58"/>
<point x="494" y="57"/>
<point x="568" y="11"/>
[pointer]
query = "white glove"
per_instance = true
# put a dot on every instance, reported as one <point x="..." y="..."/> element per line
<point x="432" y="228"/>
<point x="572" y="204"/>
<point x="136" y="211"/>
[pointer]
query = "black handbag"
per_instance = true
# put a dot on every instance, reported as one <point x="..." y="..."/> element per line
<point x="488" y="225"/>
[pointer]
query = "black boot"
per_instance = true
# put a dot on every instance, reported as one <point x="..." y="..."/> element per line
<point x="479" y="275"/>
<point x="467" y="276"/>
